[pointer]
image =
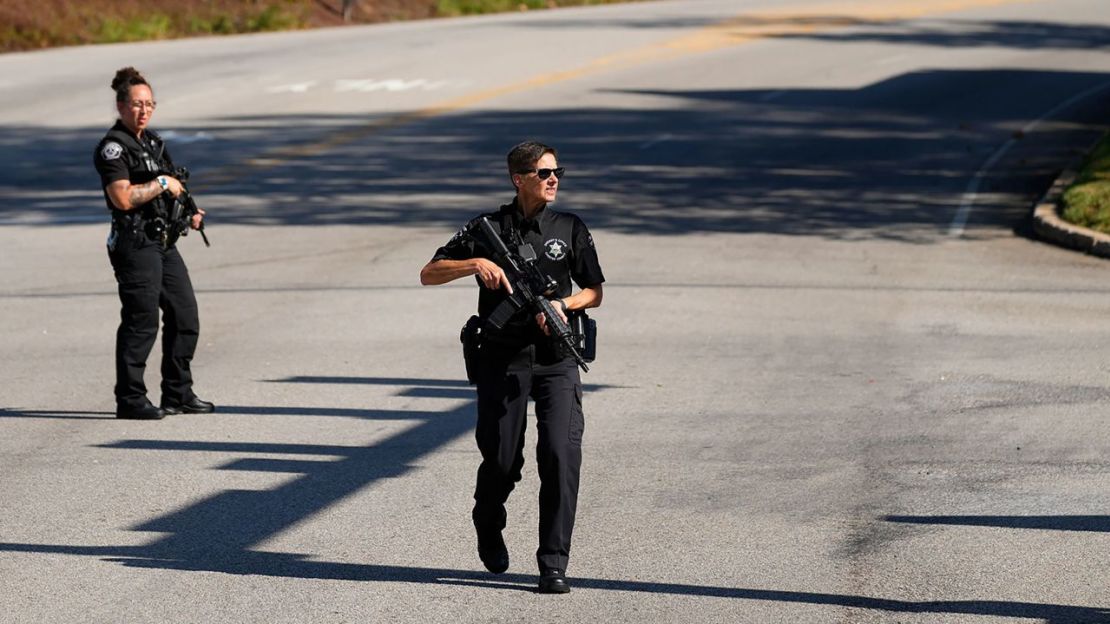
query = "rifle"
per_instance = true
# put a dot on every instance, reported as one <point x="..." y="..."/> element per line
<point x="531" y="286"/>
<point x="182" y="211"/>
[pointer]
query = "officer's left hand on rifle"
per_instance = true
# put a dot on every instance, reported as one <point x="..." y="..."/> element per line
<point x="185" y="214"/>
<point x="560" y="308"/>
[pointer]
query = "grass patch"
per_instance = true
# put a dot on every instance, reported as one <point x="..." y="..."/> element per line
<point x="36" y="24"/>
<point x="30" y="37"/>
<point x="453" y="8"/>
<point x="161" y="26"/>
<point x="136" y="29"/>
<point x="268" y="19"/>
<point x="1087" y="201"/>
<point x="30" y="26"/>
<point x="478" y="7"/>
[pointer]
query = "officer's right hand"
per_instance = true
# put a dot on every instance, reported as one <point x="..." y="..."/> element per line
<point x="492" y="275"/>
<point x="197" y="219"/>
<point x="173" y="186"/>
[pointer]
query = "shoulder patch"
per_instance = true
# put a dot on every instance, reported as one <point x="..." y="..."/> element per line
<point x="463" y="233"/>
<point x="111" y="150"/>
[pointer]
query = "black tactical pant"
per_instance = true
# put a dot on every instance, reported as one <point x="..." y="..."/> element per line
<point x="506" y="379"/>
<point x="150" y="278"/>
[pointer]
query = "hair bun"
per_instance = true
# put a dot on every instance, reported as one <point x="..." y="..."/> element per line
<point x="127" y="77"/>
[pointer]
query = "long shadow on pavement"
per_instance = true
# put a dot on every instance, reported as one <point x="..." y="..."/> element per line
<point x="218" y="533"/>
<point x="1099" y="524"/>
<point x="290" y="565"/>
<point x="6" y="412"/>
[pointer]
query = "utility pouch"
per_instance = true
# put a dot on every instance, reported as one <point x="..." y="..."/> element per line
<point x="584" y="329"/>
<point x="471" y="338"/>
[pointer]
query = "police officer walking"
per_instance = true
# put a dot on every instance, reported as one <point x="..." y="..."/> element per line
<point x="132" y="162"/>
<point x="520" y="361"/>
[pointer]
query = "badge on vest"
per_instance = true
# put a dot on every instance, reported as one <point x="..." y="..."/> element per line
<point x="555" y="249"/>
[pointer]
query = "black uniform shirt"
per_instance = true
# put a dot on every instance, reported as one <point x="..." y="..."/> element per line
<point x="137" y="161"/>
<point x="564" y="250"/>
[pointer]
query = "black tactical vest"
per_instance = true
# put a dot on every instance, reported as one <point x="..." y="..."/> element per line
<point x="145" y="160"/>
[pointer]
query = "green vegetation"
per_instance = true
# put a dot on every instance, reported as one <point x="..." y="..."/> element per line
<point x="477" y="7"/>
<point x="139" y="29"/>
<point x="99" y="21"/>
<point x="162" y="26"/>
<point x="24" y="37"/>
<point x="269" y="18"/>
<point x="1087" y="201"/>
<point x="450" y="8"/>
<point x="35" y="24"/>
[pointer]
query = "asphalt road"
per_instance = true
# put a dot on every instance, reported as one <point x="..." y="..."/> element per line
<point x="837" y="380"/>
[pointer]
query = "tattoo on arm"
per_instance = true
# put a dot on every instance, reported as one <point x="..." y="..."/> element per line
<point x="142" y="193"/>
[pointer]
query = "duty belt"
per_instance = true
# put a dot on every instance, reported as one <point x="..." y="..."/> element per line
<point x="138" y="222"/>
<point x="126" y="220"/>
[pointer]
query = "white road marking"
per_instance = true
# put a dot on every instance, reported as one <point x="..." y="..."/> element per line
<point x="774" y="95"/>
<point x="959" y="222"/>
<point x="297" y="87"/>
<point x="391" y="84"/>
<point x="659" y="139"/>
<point x="364" y="85"/>
<point x="186" y="137"/>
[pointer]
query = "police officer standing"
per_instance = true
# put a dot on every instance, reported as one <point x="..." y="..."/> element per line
<point x="132" y="162"/>
<point x="520" y="360"/>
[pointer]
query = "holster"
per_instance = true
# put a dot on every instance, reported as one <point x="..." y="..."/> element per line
<point x="584" y="329"/>
<point x="471" y="338"/>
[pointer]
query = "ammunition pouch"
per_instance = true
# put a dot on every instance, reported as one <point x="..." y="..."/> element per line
<point x="584" y="330"/>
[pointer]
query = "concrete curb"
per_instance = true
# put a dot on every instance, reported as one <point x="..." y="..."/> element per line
<point x="1051" y="228"/>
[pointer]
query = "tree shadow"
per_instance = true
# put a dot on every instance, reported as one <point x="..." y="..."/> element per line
<point x="1020" y="35"/>
<point x="891" y="160"/>
<point x="831" y="27"/>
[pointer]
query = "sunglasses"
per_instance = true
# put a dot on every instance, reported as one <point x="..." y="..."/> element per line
<point x="545" y="173"/>
<point x="139" y="106"/>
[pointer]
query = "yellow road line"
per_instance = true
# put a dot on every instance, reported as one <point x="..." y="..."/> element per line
<point x="747" y="27"/>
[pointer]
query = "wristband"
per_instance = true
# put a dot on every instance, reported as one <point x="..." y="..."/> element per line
<point x="564" y="304"/>
<point x="162" y="181"/>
